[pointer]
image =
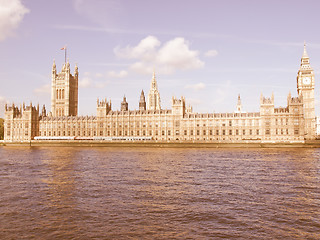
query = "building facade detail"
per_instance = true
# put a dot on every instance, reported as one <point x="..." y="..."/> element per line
<point x="22" y="123"/>
<point x="294" y="123"/>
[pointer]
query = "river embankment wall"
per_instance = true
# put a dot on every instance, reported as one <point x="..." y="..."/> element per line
<point x="155" y="144"/>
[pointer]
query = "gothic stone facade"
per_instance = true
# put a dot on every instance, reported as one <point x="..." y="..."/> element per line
<point x="294" y="123"/>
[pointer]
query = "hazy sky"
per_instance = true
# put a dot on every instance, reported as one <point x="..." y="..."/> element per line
<point x="208" y="51"/>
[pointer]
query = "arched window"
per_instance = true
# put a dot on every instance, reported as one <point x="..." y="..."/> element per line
<point x="57" y="94"/>
<point x="62" y="93"/>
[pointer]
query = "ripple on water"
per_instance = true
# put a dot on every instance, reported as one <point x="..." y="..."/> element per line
<point x="129" y="193"/>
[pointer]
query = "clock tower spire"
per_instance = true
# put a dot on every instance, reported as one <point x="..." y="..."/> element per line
<point x="305" y="87"/>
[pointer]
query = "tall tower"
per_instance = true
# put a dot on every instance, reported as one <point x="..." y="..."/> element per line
<point x="153" y="96"/>
<point x="305" y="88"/>
<point x="142" y="102"/>
<point x="64" y="91"/>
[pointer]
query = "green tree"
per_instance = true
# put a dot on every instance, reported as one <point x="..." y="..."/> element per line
<point x="1" y="128"/>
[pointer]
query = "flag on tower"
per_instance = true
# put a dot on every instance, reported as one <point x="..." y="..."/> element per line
<point x="65" y="53"/>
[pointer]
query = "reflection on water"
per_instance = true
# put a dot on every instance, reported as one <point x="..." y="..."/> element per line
<point x="121" y="193"/>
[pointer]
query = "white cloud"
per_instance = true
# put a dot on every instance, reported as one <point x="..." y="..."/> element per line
<point x="171" y="56"/>
<point x="120" y="74"/>
<point x="99" y="75"/>
<point x="142" y="68"/>
<point x="88" y="81"/>
<point x="85" y="82"/>
<point x="45" y="89"/>
<point x="11" y="15"/>
<point x="145" y="50"/>
<point x="176" y="54"/>
<point x="196" y="87"/>
<point x="211" y="53"/>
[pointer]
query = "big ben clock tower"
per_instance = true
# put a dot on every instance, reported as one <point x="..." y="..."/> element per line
<point x="305" y="87"/>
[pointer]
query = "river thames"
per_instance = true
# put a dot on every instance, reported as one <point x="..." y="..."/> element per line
<point x="149" y="193"/>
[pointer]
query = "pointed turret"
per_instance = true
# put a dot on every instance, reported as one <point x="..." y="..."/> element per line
<point x="289" y="98"/>
<point x="76" y="70"/>
<point x="239" y="105"/>
<point x="142" y="102"/>
<point x="68" y="66"/>
<point x="124" y="104"/>
<point x="54" y="66"/>
<point x="44" y="111"/>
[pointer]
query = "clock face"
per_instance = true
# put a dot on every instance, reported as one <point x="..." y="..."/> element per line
<point x="306" y="80"/>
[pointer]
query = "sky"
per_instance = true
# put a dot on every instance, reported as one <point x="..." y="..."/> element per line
<point x="206" y="50"/>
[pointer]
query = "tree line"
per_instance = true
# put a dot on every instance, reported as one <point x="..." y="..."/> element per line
<point x="1" y="129"/>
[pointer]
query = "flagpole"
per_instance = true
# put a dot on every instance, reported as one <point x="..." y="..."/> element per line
<point x="65" y="53"/>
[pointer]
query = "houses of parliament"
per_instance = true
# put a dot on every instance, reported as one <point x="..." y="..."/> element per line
<point x="294" y="123"/>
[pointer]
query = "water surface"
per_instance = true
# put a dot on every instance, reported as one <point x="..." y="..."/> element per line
<point x="138" y="193"/>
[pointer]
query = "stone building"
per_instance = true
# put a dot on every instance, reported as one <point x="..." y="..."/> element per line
<point x="64" y="91"/>
<point x="21" y="123"/>
<point x="293" y="123"/>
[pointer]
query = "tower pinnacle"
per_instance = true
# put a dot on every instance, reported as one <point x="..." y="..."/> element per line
<point x="305" y="54"/>
<point x="154" y="81"/>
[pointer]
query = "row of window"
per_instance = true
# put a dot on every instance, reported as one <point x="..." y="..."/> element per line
<point x="169" y="132"/>
<point x="18" y="125"/>
<point x="163" y="124"/>
<point x="156" y="132"/>
<point x="282" y="131"/>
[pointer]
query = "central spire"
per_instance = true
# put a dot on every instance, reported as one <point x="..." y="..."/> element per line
<point x="153" y="96"/>
<point x="154" y="81"/>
